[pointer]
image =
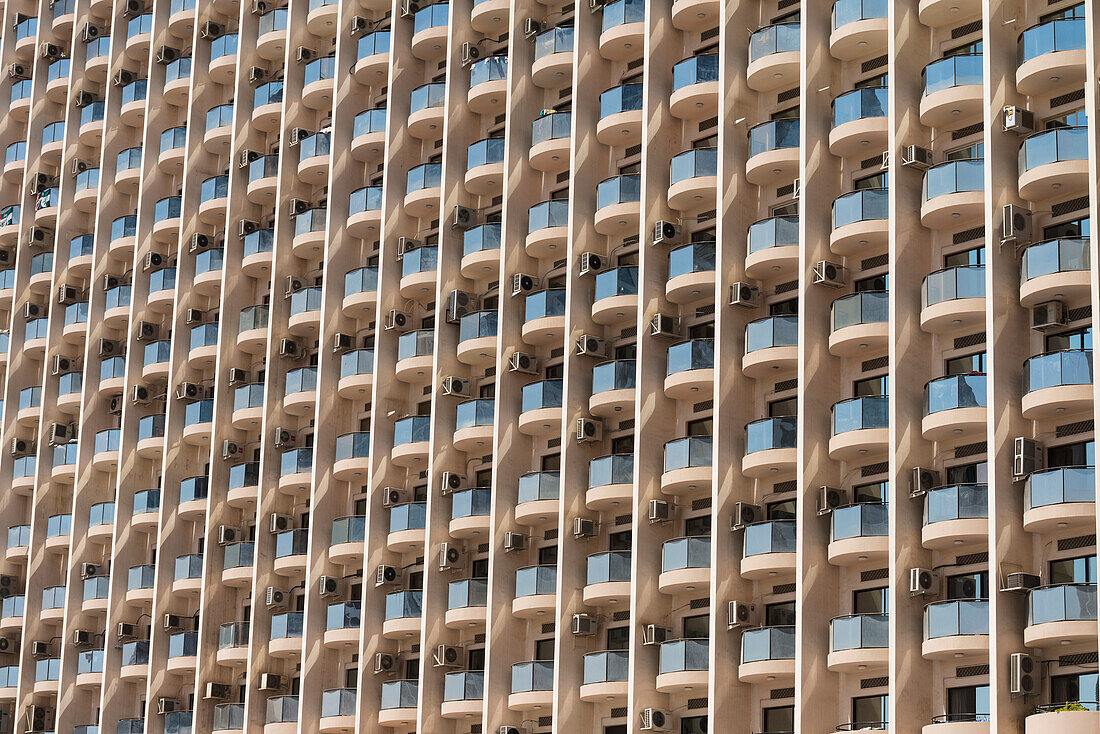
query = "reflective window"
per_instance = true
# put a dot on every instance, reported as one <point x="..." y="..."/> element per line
<point x="871" y="601"/>
<point x="1073" y="570"/>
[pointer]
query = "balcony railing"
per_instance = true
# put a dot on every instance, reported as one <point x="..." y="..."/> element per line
<point x="352" y="446"/>
<point x="534" y="580"/>
<point x="1053" y="146"/>
<point x="485" y="152"/>
<point x="607" y="567"/>
<point x="548" y="214"/>
<point x="420" y="260"/>
<point x="767" y="643"/>
<point x="464" y="686"/>
<point x="771" y="331"/>
<point x="773" y="232"/>
<point x="288" y="625"/>
<point x="357" y="362"/>
<point x="954" y="391"/>
<point x="695" y="70"/>
<point x="433" y="16"/>
<point x="413" y="429"/>
<point x="618" y="189"/>
<point x="856" y="414"/>
<point x="773" y="135"/>
<point x="771" y="433"/>
<point x="769" y="536"/>
<point x="618" y="374"/>
<point x="188" y="566"/>
<point x="1068" y="367"/>
<point x="1062" y="255"/>
<point x="338" y="702"/>
<point x="697" y="354"/>
<point x="542" y="394"/>
<point x="956" y="502"/>
<point x="689" y="552"/>
<point x="691" y="451"/>
<point x="467" y="593"/>
<point x="476" y="412"/>
<point x="426" y="96"/>
<point x="1063" y="34"/>
<point x="552" y="126"/>
<point x="183" y="645"/>
<point x="861" y="206"/>
<point x="953" y="71"/>
<point x="400" y="694"/>
<point x="1060" y="486"/>
<point x="621" y="281"/>
<point x="369" y="121"/>
<point x="403" y="605"/>
<point x="554" y="41"/>
<point x="953" y="177"/>
<point x="774" y="39"/>
<point x="613" y="469"/>
<point x="536" y="486"/>
<point x="476" y="325"/>
<point x="536" y="675"/>
<point x="343" y="615"/>
<point x="623" y="11"/>
<point x="866" y="307"/>
<point x="471" y="503"/>
<point x="859" y="632"/>
<point x="623" y="98"/>
<point x="350" y="529"/>
<point x="409" y="516"/>
<point x="1062" y="603"/>
<point x="239" y="555"/>
<point x="860" y="104"/>
<point x="862" y="520"/>
<point x="696" y="257"/>
<point x="956" y="617"/>
<point x="494" y="68"/>
<point x="967" y="281"/>
<point x="608" y="666"/>
<point x="481" y="238"/>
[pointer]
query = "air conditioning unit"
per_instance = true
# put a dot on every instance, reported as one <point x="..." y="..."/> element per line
<point x="126" y="631"/>
<point x="167" y="54"/>
<point x="589" y="430"/>
<point x="283" y="438"/>
<point x="1047" y="315"/>
<point x="152" y="261"/>
<point x="395" y="320"/>
<point x="217" y="691"/>
<point x="914" y="156"/>
<point x="270" y="682"/>
<point x="592" y="346"/>
<point x="531" y="28"/>
<point x="259" y="7"/>
<point x="166" y="706"/>
<point x="211" y="30"/>
<point x="245" y="158"/>
<point x="194" y="317"/>
<point x="188" y="391"/>
<point x="88" y="570"/>
<point x="739" y="614"/>
<point x="408" y="8"/>
<point x="256" y="75"/>
<point x="231" y="450"/>
<point x="1023" y="674"/>
<point x="237" y="376"/>
<point x="830" y="498"/>
<point x="61" y="364"/>
<point x="447" y="656"/>
<point x="470" y="53"/>
<point x="38" y="718"/>
<point x="459" y="303"/>
<point x="655" y="634"/>
<point x="450" y="557"/>
<point x="342" y="343"/>
<point x="404" y="245"/>
<point x="509" y="730"/>
<point x="744" y="514"/>
<point x="9" y="645"/>
<point x="172" y="622"/>
<point x="923" y="582"/>
<point x="21" y="447"/>
<point x="290" y="349"/>
<point x="303" y="54"/>
<point x="514" y="542"/>
<point x="328" y="586"/>
<point x="655" y="720"/>
<point x="591" y="263"/>
<point x="115" y="405"/>
<point x="276" y="598"/>
<point x="659" y="511"/>
<point x="1027" y="457"/>
<point x="383" y="663"/>
<point x="141" y="395"/>
<point x="277" y="523"/>
<point x="227" y="535"/>
<point x="358" y="25"/>
<point x="89" y="33"/>
<point x="452" y="481"/>
<point x="132" y="8"/>
<point x="523" y="284"/>
<point x="584" y="528"/>
<point x="246" y="227"/>
<point x="463" y="217"/>
<point x="393" y="496"/>
<point x="744" y="295"/>
<point x="1021" y="583"/>
<point x="386" y="575"/>
<point x="584" y="625"/>
<point x="82" y="638"/>
<point x="123" y="77"/>
<point x="293" y="285"/>
<point x="829" y="274"/>
<point x="1015" y="225"/>
<point x="67" y="295"/>
<point x="147" y="331"/>
<point x="33" y="311"/>
<point x="664" y="325"/>
<point x="525" y="364"/>
<point x="41" y="649"/>
<point x="1017" y="120"/>
<point x="667" y="233"/>
<point x="38" y="236"/>
<point x="84" y="99"/>
<point x="922" y="481"/>
<point x="51" y="51"/>
<point x="17" y="71"/>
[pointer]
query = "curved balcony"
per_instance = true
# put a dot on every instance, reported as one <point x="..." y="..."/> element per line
<point x="146" y="511"/>
<point x="485" y="167"/>
<point x="429" y="38"/>
<point x="683" y="666"/>
<point x="956" y="515"/>
<point x="607" y="582"/>
<point x="772" y="248"/>
<point x="426" y="111"/>
<point x="954" y="408"/>
<point x="101" y="521"/>
<point x="481" y="252"/>
<point x="1060" y="500"/>
<point x="773" y="152"/>
<point x="346" y="540"/>
<point x="691" y="272"/>
<point x="474" y="425"/>
<point x="406" y="527"/>
<point x="693" y="180"/>
<point x="223" y="59"/>
<point x="544" y="317"/>
<point x="467" y="603"/>
<point x="402" y="615"/>
<point x="105" y="456"/>
<point x="536" y="591"/>
<point x="183" y="648"/>
<point x="620" y="122"/>
<point x="368" y="133"/>
<point x="859" y="642"/>
<point x="606" y="676"/>
<point x="295" y="471"/>
<point x="541" y="408"/>
<point x="937" y="13"/>
<point x="694" y="89"/>
<point x="860" y="428"/>
<point x="244" y="480"/>
<point x="286" y="635"/>
<point x="415" y="353"/>
<point x="488" y="85"/>
<point x="342" y="621"/>
<point x="952" y="93"/>
<point x="771" y="347"/>
<point x="237" y="564"/>
<point x="551" y="137"/>
<point x="373" y="53"/>
<point x="470" y="513"/>
<point x="338" y="711"/>
<point x="547" y="228"/>
<point x="187" y="579"/>
<point x="248" y="406"/>
<point x="859" y="122"/>
<point x="860" y="222"/>
<point x="860" y="324"/>
<point x="314" y="155"/>
<point x="774" y="52"/>
<point x="532" y="686"/>
<point x="618" y="204"/>
<point x="955" y="629"/>
<point x="267" y="109"/>
<point x="552" y="67"/>
<point x="410" y="441"/>
<point x="953" y="194"/>
<point x="1055" y="269"/>
<point x="1072" y="717"/>
<point x="300" y="391"/>
<point x="219" y="126"/>
<point x="422" y="190"/>
<point x="477" y="338"/>
<point x="623" y="31"/>
<point x="615" y="298"/>
<point x="953" y="299"/>
<point x="419" y="269"/>
<point x="319" y="78"/>
<point x="193" y="494"/>
<point x="685" y="565"/>
<point x="860" y="29"/>
<point x="613" y="388"/>
<point x="258" y="253"/>
<point x="1054" y="163"/>
<point x="859" y="534"/>
<point x="537" y="501"/>
<point x="689" y="372"/>
<point x="1061" y="615"/>
<point x="770" y="447"/>
<point x="398" y="704"/>
<point x="1051" y="56"/>
<point x="767" y="654"/>
<point x="490" y="17"/>
<point x="687" y="467"/>
<point x="610" y="482"/>
<point x="463" y="693"/>
<point x="360" y="292"/>
<point x="1057" y="384"/>
<point x="309" y="233"/>
<point x="351" y="462"/>
<point x="768" y="550"/>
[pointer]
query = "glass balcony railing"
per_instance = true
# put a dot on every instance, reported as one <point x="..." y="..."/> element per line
<point x="1061" y="603"/>
<point x="220" y="116"/>
<point x="266" y="166"/>
<point x="158" y="352"/>
<point x="42" y="263"/>
<point x="773" y="135"/>
<point x="414" y="429"/>
<point x="183" y="645"/>
<point x="400" y="694"/>
<point x="162" y="280"/>
<point x="779" y="432"/>
<point x="338" y="702"/>
<point x="374" y="43"/>
<point x="292" y="543"/>
<point x="48" y="669"/>
<point x="420" y="260"/>
<point x="953" y="177"/>
<point x="954" y="391"/>
<point x="19" y="536"/>
<point x="1060" y="486"/>
<point x="542" y="394"/>
<point x="621" y="12"/>
<point x="409" y="516"/>
<point x="135" y="652"/>
<point x="26" y="28"/>
<point x="244" y="475"/>
<point x="188" y="566"/>
<point x="690" y="552"/>
<point x="216" y="187"/>
<point x="535" y="486"/>
<point x="228" y="717"/>
<point x="239" y="555"/>
<point x="619" y="374"/>
<point x="865" y="520"/>
<point x="315" y="145"/>
<point x="306" y="300"/>
<point x="64" y="455"/>
<point x="1062" y="255"/>
<point x="547" y="303"/>
<point x="1063" y="34"/>
<point x="76" y="313"/>
<point x="621" y="281"/>
<point x="536" y="580"/>
<point x="301" y="379"/>
<point x="432" y="16"/>
<point x="623" y="98"/>
<point x="690" y="451"/>
<point x="956" y="617"/>
<point x="956" y="502"/>
<point x="866" y="307"/>
<point x="9" y="676"/>
<point x="554" y="41"/>
<point x="476" y="412"/>
<point x="696" y="257"/>
<point x="274" y="20"/>
<point x="552" y="126"/>
<point x="223" y="46"/>
<point x="166" y="208"/>
<point x="493" y="68"/>
<point x="53" y="597"/>
<point x="467" y="593"/>
<point x="548" y="214"/>
<point x="696" y="354"/>
<point x="350" y="529"/>
<point x="608" y="567"/>
<point x="427" y="96"/>
<point x="859" y="632"/>
<point x="533" y="676"/>
<point x="1053" y="146"/>
<point x="773" y="232"/>
<point x="265" y="94"/>
<point x="366" y="199"/>
<point x="953" y="71"/>
<point x="96" y="587"/>
<point x="608" y="470"/>
<point x="481" y="238"/>
<point x="343" y="615"/>
<point x="403" y="605"/>
<point x="477" y="325"/>
<point x="464" y="686"/>
<point x="851" y="11"/>
<point x="967" y="281"/>
<point x="861" y="413"/>
<point x="606" y="667"/>
<point x="12" y="606"/>
<point x="695" y="70"/>
<point x="198" y="412"/>
<point x="352" y="446"/>
<point x="419" y="343"/>
<point x="1068" y="367"/>
<point x="769" y="536"/>
<point x="861" y="206"/>
<point x="771" y="331"/>
<point x="677" y="656"/>
<point x="767" y="643"/>
<point x="204" y="335"/>
<point x="107" y="440"/>
<point x="618" y="189"/>
<point x="140" y="577"/>
<point x="178" y="69"/>
<point x="281" y="710"/>
<point x="369" y="121"/>
<point x="774" y="39"/>
<point x="357" y="362"/>
<point x="287" y="626"/>
<point x="146" y="501"/>
<point x="485" y="152"/>
<point x="296" y="461"/>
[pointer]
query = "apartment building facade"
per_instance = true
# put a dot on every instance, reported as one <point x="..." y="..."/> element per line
<point x="508" y="366"/>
